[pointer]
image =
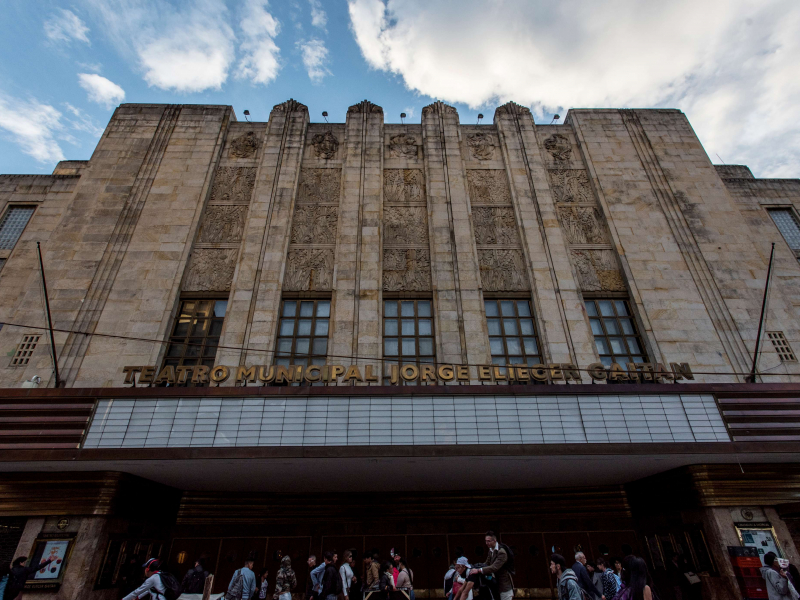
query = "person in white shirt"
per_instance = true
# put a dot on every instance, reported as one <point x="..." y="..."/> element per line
<point x="346" y="573"/>
<point x="152" y="586"/>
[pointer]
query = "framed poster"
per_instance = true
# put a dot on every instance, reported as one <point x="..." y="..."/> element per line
<point x="760" y="536"/>
<point x="55" y="546"/>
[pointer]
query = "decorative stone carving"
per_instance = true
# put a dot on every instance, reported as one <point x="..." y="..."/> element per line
<point x="325" y="145"/>
<point x="233" y="185"/>
<point x="223" y="223"/>
<point x="502" y="270"/>
<point x="444" y="108"/>
<point x="320" y="186"/>
<point x="244" y="146"/>
<point x="481" y="145"/>
<point x="365" y="106"/>
<point x="309" y="269"/>
<point x="406" y="270"/>
<point x="405" y="226"/>
<point x="582" y="225"/>
<point x="403" y="146"/>
<point x="291" y="105"/>
<point x="559" y="147"/>
<point x="598" y="271"/>
<point x="512" y="108"/>
<point x="314" y="224"/>
<point x="488" y="186"/>
<point x="403" y="186"/>
<point x="211" y="270"/>
<point x="495" y="226"/>
<point x="570" y="185"/>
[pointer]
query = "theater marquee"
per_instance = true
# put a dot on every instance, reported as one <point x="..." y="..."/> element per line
<point x="336" y="374"/>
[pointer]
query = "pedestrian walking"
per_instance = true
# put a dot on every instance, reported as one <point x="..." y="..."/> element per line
<point x="464" y="583"/>
<point x="346" y="573"/>
<point x="635" y="580"/>
<point x="285" y="581"/>
<point x="263" y="586"/>
<point x="595" y="575"/>
<point x="311" y="582"/>
<point x="776" y="578"/>
<point x="19" y="574"/>
<point x="243" y="583"/>
<point x="374" y="572"/>
<point x="499" y="563"/>
<point x="195" y="578"/>
<point x="584" y="580"/>
<point x="331" y="585"/>
<point x="610" y="585"/>
<point x="153" y="587"/>
<point x="386" y="585"/>
<point x="568" y="588"/>
<point x="405" y="578"/>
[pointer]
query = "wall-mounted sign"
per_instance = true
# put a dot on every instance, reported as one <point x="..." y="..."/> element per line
<point x="760" y="536"/>
<point x="55" y="547"/>
<point x="398" y="374"/>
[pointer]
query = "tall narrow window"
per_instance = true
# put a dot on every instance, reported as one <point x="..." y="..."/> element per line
<point x="195" y="335"/>
<point x="303" y="332"/>
<point x="13" y="224"/>
<point x="786" y="222"/>
<point x="615" y="334"/>
<point x="408" y="331"/>
<point x="512" y="333"/>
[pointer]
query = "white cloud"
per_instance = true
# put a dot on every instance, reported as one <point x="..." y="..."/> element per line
<point x="318" y="16"/>
<point x="33" y="126"/>
<point x="731" y="65"/>
<point x="101" y="90"/>
<point x="260" y="52"/>
<point x="65" y="26"/>
<point x="186" y="49"/>
<point x="82" y="121"/>
<point x="409" y="110"/>
<point x="315" y="56"/>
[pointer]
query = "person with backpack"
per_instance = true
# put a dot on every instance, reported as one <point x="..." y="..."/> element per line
<point x="608" y="579"/>
<point x="158" y="584"/>
<point x="568" y="588"/>
<point x="584" y="579"/>
<point x="243" y="582"/>
<point x="331" y="585"/>
<point x="195" y="579"/>
<point x="286" y="580"/>
<point x="499" y="564"/>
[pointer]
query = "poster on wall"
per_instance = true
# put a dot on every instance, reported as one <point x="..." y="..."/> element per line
<point x="761" y="538"/>
<point x="57" y="551"/>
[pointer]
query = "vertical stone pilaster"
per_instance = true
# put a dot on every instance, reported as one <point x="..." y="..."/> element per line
<point x="460" y="324"/>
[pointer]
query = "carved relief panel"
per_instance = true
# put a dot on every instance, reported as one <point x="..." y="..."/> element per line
<point x="503" y="270"/>
<point x="406" y="270"/>
<point x="495" y="225"/>
<point x="481" y="145"/>
<point x="403" y="145"/>
<point x="233" y="185"/>
<point x="582" y="225"/>
<point x="405" y="226"/>
<point x="570" y="185"/>
<point x="320" y="186"/>
<point x="244" y="146"/>
<point x="598" y="271"/>
<point x="314" y="225"/>
<point x="403" y="186"/>
<point x="488" y="186"/>
<point x="211" y="270"/>
<point x="223" y="223"/>
<point x="309" y="269"/>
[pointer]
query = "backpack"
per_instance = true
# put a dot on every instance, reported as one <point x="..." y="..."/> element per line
<point x="509" y="566"/>
<point x="573" y="577"/>
<point x="195" y="582"/>
<point x="172" y="587"/>
<point x="236" y="588"/>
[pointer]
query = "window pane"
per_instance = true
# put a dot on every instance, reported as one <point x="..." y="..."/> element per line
<point x="602" y="346"/>
<point x="494" y="327"/>
<point x="390" y="308"/>
<point x="597" y="329"/>
<point x="526" y="327"/>
<point x="606" y="309"/>
<point x="510" y="326"/>
<point x="306" y="309"/>
<point x="220" y="308"/>
<point x="627" y="326"/>
<point x="409" y="347"/>
<point x="289" y="309"/>
<point x="638" y="359"/>
<point x="591" y="309"/>
<point x="324" y="308"/>
<point x="513" y="345"/>
<point x="284" y="345"/>
<point x="304" y="327"/>
<point x="523" y="308"/>
<point x="617" y="346"/>
<point x="283" y="361"/>
<point x="303" y="362"/>
<point x="785" y="221"/>
<point x="507" y="308"/>
<point x="425" y="327"/>
<point x="321" y="327"/>
<point x="407" y="308"/>
<point x="287" y="326"/>
<point x="193" y="347"/>
<point x="530" y="345"/>
<point x="426" y="346"/>
<point x="424" y="308"/>
<point x="210" y="350"/>
<point x="181" y="328"/>
<point x="491" y="308"/>
<point x="407" y="327"/>
<point x="622" y="309"/>
<point x="611" y="326"/>
<point x="390" y="327"/>
<point x="14" y="222"/>
<point x="321" y="346"/>
<point x="606" y="360"/>
<point x="633" y="345"/>
<point x="515" y="360"/>
<point x="301" y="346"/>
<point x="390" y="347"/>
<point x="175" y="350"/>
<point x="216" y="328"/>
<point x="496" y="344"/>
<point x="200" y="327"/>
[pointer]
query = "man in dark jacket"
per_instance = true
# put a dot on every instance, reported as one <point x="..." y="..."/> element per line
<point x="19" y="575"/>
<point x="331" y="582"/>
<point x="583" y="576"/>
<point x="195" y="579"/>
<point x="496" y="566"/>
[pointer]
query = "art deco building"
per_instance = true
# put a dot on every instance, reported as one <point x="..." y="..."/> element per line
<point x="287" y="337"/>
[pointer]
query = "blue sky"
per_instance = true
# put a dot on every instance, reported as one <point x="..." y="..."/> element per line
<point x="731" y="65"/>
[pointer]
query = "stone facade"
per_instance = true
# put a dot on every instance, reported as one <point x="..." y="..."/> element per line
<point x="183" y="200"/>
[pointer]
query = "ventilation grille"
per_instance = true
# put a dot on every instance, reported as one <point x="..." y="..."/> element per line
<point x="25" y="350"/>
<point x="782" y="346"/>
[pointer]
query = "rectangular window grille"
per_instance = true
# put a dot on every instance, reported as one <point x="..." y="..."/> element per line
<point x="512" y="333"/>
<point x="408" y="332"/>
<point x="196" y="332"/>
<point x="615" y="334"/>
<point x="303" y="332"/>
<point x="13" y="224"/>
<point x="787" y="224"/>
<point x="25" y="350"/>
<point x="782" y="347"/>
